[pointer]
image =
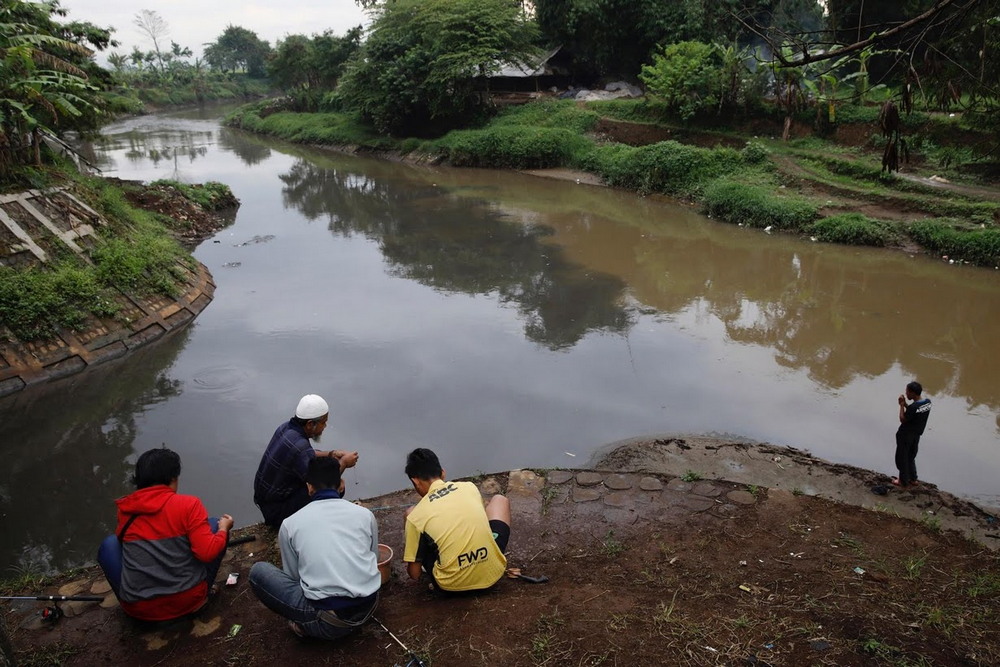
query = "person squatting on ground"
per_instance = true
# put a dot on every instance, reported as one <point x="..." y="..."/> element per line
<point x="448" y="533"/>
<point x="166" y="551"/>
<point x="329" y="581"/>
<point x="279" y="488"/>
<point x="912" y="422"/>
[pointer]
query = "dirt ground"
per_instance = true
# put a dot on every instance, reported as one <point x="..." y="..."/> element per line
<point x="653" y="557"/>
<point x="190" y="222"/>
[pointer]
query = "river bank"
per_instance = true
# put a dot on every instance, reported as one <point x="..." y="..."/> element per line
<point x="825" y="189"/>
<point x="646" y="564"/>
<point x="83" y="283"/>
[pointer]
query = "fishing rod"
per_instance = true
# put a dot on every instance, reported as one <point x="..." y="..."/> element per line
<point x="55" y="598"/>
<point x="53" y="613"/>
<point x="415" y="660"/>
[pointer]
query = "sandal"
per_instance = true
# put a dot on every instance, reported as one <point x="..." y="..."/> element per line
<point x="896" y="482"/>
<point x="296" y="629"/>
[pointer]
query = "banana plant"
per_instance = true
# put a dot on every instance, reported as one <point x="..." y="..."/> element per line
<point x="39" y="88"/>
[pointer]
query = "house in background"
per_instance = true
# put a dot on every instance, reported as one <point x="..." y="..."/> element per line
<point x="546" y="70"/>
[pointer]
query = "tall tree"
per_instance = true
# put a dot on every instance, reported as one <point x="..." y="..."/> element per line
<point x="156" y="28"/>
<point x="238" y="49"/>
<point x="416" y="71"/>
<point x="616" y="37"/>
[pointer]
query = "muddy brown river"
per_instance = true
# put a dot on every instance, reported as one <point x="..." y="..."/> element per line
<point x="502" y="319"/>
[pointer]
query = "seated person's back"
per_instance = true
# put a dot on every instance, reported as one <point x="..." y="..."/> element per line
<point x="165" y="553"/>
<point x="449" y="534"/>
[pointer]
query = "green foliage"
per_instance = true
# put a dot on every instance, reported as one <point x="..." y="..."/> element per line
<point x="307" y="69"/>
<point x="755" y="206"/>
<point x="35" y="302"/>
<point x="611" y="546"/>
<point x="686" y="77"/>
<point x="755" y="153"/>
<point x="415" y="73"/>
<point x="564" y="114"/>
<point x="615" y="37"/>
<point x="690" y="476"/>
<point x="513" y="146"/>
<point x="978" y="246"/>
<point x="667" y="167"/>
<point x="238" y="49"/>
<point x="315" y="128"/>
<point x="211" y="195"/>
<point x="851" y="229"/>
<point x="44" y="86"/>
<point x="145" y="264"/>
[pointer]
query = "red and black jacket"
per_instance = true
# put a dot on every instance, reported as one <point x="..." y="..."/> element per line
<point x="164" y="552"/>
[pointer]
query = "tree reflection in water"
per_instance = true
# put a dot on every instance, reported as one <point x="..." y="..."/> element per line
<point x="461" y="245"/>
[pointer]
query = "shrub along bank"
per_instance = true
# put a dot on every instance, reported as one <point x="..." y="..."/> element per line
<point x="737" y="186"/>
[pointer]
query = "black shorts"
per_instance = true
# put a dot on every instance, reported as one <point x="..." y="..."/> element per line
<point x="501" y="534"/>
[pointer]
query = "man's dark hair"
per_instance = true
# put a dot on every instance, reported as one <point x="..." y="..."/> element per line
<point x="915" y="387"/>
<point x="157" y="466"/>
<point x="423" y="464"/>
<point x="324" y="473"/>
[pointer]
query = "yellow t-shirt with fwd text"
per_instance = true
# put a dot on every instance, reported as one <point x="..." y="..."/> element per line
<point x="452" y="515"/>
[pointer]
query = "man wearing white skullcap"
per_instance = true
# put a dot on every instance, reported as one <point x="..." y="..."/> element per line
<point x="279" y="488"/>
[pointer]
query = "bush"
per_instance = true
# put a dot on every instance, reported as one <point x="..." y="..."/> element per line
<point x="667" y="167"/>
<point x="563" y="114"/>
<point x="35" y="302"/>
<point x="755" y="207"/>
<point x="851" y="229"/>
<point x="685" y="76"/>
<point x="755" y="153"/>
<point x="513" y="146"/>
<point x="643" y="110"/>
<point x="979" y="246"/>
<point x="310" y="128"/>
<point x="211" y="196"/>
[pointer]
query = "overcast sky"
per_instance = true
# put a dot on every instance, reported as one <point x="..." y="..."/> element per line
<point x="193" y="23"/>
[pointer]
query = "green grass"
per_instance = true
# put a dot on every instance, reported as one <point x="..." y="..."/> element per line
<point x="667" y="167"/>
<point x="851" y="229"/>
<point x="735" y="186"/>
<point x="943" y="237"/>
<point x="35" y="302"/>
<point x="914" y="565"/>
<point x="309" y="128"/>
<point x="756" y="206"/>
<point x="134" y="254"/>
<point x="513" y="147"/>
<point x="610" y="546"/>
<point x="690" y="476"/>
<point x="211" y="195"/>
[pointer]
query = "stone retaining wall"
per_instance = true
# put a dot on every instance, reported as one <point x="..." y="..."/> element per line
<point x="32" y="225"/>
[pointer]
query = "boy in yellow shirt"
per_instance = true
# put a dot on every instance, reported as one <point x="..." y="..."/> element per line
<point x="449" y="534"/>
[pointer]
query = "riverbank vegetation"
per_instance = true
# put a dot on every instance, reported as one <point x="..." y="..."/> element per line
<point x="137" y="253"/>
<point x="825" y="190"/>
<point x="807" y="135"/>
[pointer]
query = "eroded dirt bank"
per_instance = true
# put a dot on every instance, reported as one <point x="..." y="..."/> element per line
<point x="646" y="565"/>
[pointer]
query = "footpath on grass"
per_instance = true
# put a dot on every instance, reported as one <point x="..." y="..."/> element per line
<point x="690" y="550"/>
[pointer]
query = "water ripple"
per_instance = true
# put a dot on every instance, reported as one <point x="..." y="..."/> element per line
<point x="219" y="379"/>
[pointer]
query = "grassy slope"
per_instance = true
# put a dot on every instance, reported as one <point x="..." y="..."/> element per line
<point x="831" y="192"/>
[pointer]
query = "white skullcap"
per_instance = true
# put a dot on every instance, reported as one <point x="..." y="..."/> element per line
<point x="311" y="407"/>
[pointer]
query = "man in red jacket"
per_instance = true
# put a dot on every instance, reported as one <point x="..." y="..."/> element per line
<point x="166" y="551"/>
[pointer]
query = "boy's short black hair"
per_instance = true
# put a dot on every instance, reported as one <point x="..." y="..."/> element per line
<point x="915" y="387"/>
<point x="157" y="466"/>
<point x="423" y="464"/>
<point x="324" y="473"/>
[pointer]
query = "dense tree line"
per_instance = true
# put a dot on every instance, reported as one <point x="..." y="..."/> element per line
<point x="419" y="67"/>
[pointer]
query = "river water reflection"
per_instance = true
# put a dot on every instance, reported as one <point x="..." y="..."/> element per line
<point x="502" y="319"/>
